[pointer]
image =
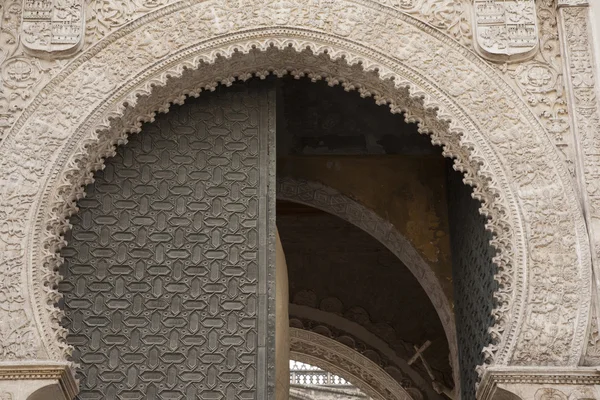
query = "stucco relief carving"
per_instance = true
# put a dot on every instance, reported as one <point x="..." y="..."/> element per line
<point x="451" y="16"/>
<point x="82" y="23"/>
<point x="540" y="82"/>
<point x="550" y="383"/>
<point x="505" y="29"/>
<point x="549" y="394"/>
<point x="592" y="353"/>
<point x="105" y="16"/>
<point x="22" y="75"/>
<point x="503" y="150"/>
<point x="52" y="26"/>
<point x="572" y="3"/>
<point x="17" y="331"/>
<point x="583" y="102"/>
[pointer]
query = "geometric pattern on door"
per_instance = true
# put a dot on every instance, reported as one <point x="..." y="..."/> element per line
<point x="166" y="269"/>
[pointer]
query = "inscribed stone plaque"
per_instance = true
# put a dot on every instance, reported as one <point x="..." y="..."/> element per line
<point x="171" y="256"/>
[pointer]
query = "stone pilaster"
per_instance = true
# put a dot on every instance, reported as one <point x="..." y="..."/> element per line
<point x="580" y="84"/>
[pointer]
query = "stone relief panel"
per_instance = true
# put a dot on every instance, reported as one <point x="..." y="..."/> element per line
<point x="165" y="280"/>
<point x="31" y="27"/>
<point x="567" y="391"/>
<point x="505" y="29"/>
<point x="450" y="16"/>
<point x="22" y="75"/>
<point x="585" y="111"/>
<point x="540" y="82"/>
<point x="549" y="394"/>
<point x="504" y="134"/>
<point x="52" y="26"/>
<point x="106" y="16"/>
<point x="592" y="353"/>
<point x="16" y="328"/>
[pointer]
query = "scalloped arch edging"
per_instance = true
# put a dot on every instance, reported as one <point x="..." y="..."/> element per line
<point x="526" y="192"/>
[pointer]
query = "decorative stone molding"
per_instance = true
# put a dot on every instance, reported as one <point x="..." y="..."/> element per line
<point x="332" y="356"/>
<point x="329" y="200"/>
<point x="539" y="79"/>
<point x="101" y="96"/>
<point x="572" y="3"/>
<point x="541" y="84"/>
<point x="584" y="108"/>
<point x="549" y="383"/>
<point x="592" y="353"/>
<point x="32" y="380"/>
<point x="103" y="17"/>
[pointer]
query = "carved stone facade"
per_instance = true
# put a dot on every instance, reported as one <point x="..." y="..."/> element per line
<point x="78" y="77"/>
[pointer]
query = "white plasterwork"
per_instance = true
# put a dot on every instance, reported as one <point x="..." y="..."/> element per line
<point x="465" y="105"/>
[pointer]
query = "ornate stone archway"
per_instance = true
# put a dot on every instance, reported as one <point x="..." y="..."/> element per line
<point x="460" y="100"/>
<point x="332" y="356"/>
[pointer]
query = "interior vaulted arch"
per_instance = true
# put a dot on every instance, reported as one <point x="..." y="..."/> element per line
<point x="331" y="201"/>
<point x="326" y="353"/>
<point x="459" y="100"/>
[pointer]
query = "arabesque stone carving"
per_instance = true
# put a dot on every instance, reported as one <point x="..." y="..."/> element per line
<point x="583" y="102"/>
<point x="454" y="17"/>
<point x="101" y="17"/>
<point x="182" y="49"/>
